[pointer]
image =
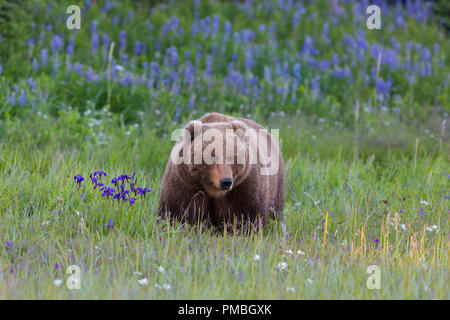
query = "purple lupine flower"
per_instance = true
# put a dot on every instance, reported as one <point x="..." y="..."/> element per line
<point x="389" y="57"/>
<point x="31" y="83"/>
<point x="342" y="73"/>
<point x="324" y="65"/>
<point x="409" y="46"/>
<point x="44" y="56"/>
<point x="107" y="6"/>
<point x="1" y="69"/>
<point x="105" y="40"/>
<point x="94" y="25"/>
<point x="377" y="241"/>
<point x="94" y="42"/>
<point x="137" y="48"/>
<point x="383" y="87"/>
<point x="426" y="54"/>
<point x="249" y="62"/>
<point x="308" y="47"/>
<point x="9" y="243"/>
<point x="296" y="19"/>
<point x="90" y="75"/>
<point x="262" y="28"/>
<point x="56" y="43"/>
<point x="30" y="42"/>
<point x="172" y="52"/>
<point x="22" y="98"/>
<point x="189" y="73"/>
<point x="122" y="39"/>
<point x="228" y="28"/>
<point x="126" y="80"/>
<point x="191" y="103"/>
<point x="56" y="266"/>
<point x="70" y="46"/>
<point x="421" y="212"/>
<point x="215" y="24"/>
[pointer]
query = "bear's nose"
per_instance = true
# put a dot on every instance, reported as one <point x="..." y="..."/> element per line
<point x="226" y="183"/>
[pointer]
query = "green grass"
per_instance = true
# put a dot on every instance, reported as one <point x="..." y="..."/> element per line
<point x="362" y="198"/>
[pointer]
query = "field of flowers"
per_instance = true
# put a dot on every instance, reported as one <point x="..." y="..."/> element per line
<point x="86" y="118"/>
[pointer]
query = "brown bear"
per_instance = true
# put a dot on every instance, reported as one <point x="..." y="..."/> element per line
<point x="223" y="170"/>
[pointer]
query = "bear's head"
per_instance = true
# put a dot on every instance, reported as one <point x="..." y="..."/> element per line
<point x="218" y="155"/>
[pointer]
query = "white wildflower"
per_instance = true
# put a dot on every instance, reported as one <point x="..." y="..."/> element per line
<point x="143" y="282"/>
<point x="57" y="282"/>
<point x="282" y="265"/>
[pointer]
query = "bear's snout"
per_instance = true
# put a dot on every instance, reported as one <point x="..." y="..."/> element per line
<point x="226" y="183"/>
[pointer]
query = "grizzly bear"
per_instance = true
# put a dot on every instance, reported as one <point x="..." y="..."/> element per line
<point x="219" y="174"/>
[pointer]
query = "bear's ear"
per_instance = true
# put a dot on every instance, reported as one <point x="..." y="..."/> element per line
<point x="239" y="128"/>
<point x="194" y="128"/>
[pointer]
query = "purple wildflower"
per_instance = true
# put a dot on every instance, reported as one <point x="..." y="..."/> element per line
<point x="44" y="56"/>
<point x="31" y="83"/>
<point x="110" y="225"/>
<point x="70" y="46"/>
<point x="108" y="191"/>
<point x="56" y="43"/>
<point x="22" y="98"/>
<point x="78" y="179"/>
<point x="122" y="39"/>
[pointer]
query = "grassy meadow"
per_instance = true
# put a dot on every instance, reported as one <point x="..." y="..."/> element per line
<point x="364" y="132"/>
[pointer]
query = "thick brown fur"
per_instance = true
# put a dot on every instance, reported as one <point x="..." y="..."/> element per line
<point x="192" y="193"/>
